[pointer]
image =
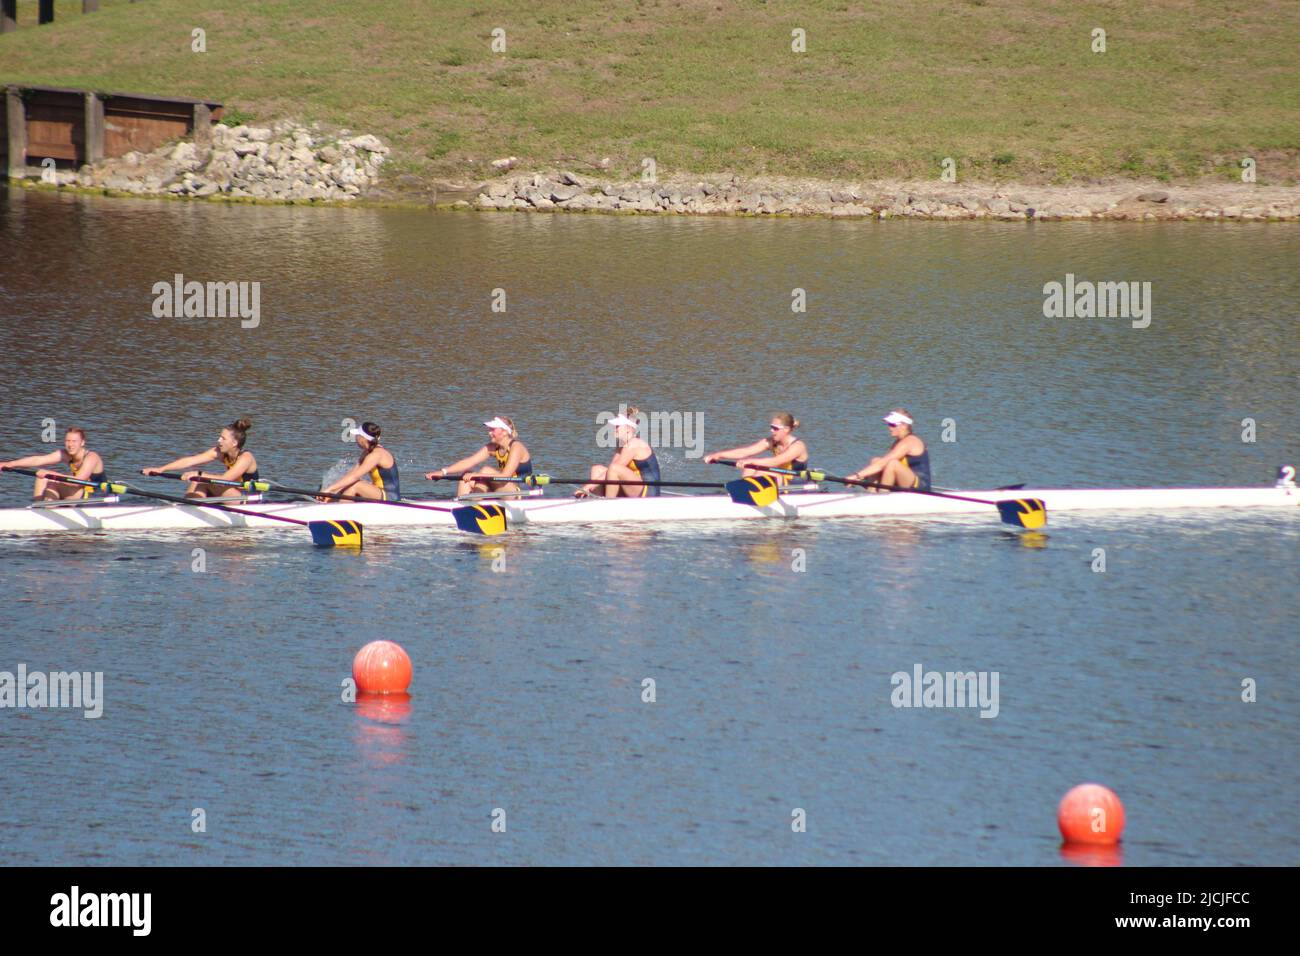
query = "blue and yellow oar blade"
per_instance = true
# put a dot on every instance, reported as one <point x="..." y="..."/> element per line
<point x="335" y="534"/>
<point x="1024" y="512"/>
<point x="481" y="519"/>
<point x="756" y="490"/>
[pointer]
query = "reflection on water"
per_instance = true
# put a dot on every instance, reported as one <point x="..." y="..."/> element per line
<point x="530" y="650"/>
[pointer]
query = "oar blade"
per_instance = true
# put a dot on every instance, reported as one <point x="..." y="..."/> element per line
<point x="757" y="490"/>
<point x="1023" y="512"/>
<point x="481" y="519"/>
<point x="335" y="534"/>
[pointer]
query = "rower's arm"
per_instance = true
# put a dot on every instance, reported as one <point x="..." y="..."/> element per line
<point x="464" y="464"/>
<point x="877" y="465"/>
<point x="35" y="461"/>
<point x="796" y="450"/>
<point x="747" y="450"/>
<point x="355" y="475"/>
<point x="182" y="464"/>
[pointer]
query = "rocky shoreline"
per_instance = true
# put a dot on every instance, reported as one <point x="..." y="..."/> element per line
<point x="732" y="196"/>
<point x="291" y="163"/>
<point x="280" y="163"/>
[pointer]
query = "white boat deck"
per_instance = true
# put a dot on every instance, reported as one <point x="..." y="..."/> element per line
<point x="142" y="515"/>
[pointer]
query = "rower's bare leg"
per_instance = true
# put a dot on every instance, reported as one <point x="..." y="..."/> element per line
<point x="196" y="490"/>
<point x="476" y="485"/>
<point x="597" y="474"/>
<point x="897" y="475"/>
<point x="364" y="488"/>
<point x="47" y="490"/>
<point x="623" y="473"/>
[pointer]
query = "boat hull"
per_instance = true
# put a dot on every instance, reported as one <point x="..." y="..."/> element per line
<point x="132" y="516"/>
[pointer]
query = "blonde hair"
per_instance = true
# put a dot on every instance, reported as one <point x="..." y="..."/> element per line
<point x="785" y="418"/>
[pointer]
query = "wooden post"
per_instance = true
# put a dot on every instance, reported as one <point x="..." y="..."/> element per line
<point x="89" y="6"/>
<point x="16" y="112"/>
<point x="202" y="125"/>
<point x="8" y="16"/>
<point x="45" y="12"/>
<point x="94" y="150"/>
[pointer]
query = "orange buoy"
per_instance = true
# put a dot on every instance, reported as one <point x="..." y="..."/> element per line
<point x="382" y="667"/>
<point x="1090" y="813"/>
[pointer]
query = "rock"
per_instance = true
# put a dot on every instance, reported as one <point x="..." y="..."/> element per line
<point x="569" y="179"/>
<point x="503" y="164"/>
<point x="1155" y="196"/>
<point x="329" y="154"/>
<point x="370" y="144"/>
<point x="499" y="190"/>
<point x="999" y="207"/>
<point x="565" y="193"/>
<point x="250" y="149"/>
<point x="303" y="155"/>
<point x="183" y="153"/>
<point x="970" y="205"/>
<point x="259" y="134"/>
<point x="207" y="189"/>
<point x="1231" y="212"/>
<point x="709" y="189"/>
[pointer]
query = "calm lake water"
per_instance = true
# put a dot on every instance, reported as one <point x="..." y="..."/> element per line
<point x="222" y="689"/>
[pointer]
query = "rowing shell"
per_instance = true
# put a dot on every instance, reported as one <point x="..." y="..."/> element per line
<point x="131" y="516"/>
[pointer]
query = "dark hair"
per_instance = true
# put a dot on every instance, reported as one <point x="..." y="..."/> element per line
<point x="374" y="431"/>
<point x="240" y="429"/>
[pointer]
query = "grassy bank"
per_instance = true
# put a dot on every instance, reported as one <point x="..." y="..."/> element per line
<point x="1008" y="88"/>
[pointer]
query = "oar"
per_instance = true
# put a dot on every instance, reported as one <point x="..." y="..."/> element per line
<point x="1022" y="512"/>
<point x="109" y="486"/>
<point x="258" y="485"/>
<point x="548" y="480"/>
<point x="266" y="485"/>
<point x="343" y="533"/>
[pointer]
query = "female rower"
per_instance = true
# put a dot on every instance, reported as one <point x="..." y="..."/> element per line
<point x="906" y="464"/>
<point x="511" y="457"/>
<point x="239" y="464"/>
<point x="79" y="461"/>
<point x="375" y="475"/>
<point x="784" y="450"/>
<point x="634" y="461"/>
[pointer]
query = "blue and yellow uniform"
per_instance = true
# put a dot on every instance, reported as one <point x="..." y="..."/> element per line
<point x="386" y="480"/>
<point x="799" y="465"/>
<point x="230" y="463"/>
<point x="647" y="469"/>
<point x="97" y="477"/>
<point x="502" y="455"/>
<point x="920" y="466"/>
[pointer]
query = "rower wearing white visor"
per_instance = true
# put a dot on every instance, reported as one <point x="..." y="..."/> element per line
<point x="634" y="461"/>
<point x="510" y="460"/>
<point x="375" y="475"/>
<point x="906" y="464"/>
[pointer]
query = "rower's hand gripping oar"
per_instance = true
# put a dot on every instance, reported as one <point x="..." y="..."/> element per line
<point x="109" y="487"/>
<point x="1022" y="512"/>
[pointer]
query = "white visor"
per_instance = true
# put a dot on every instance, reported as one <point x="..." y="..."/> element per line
<point x="894" y="418"/>
<point x="496" y="423"/>
<point x="362" y="432"/>
<point x="618" y="421"/>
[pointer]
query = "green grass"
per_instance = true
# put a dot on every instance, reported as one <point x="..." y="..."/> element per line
<point x="1008" y="88"/>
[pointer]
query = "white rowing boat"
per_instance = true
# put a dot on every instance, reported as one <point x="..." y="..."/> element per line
<point x="150" y="516"/>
